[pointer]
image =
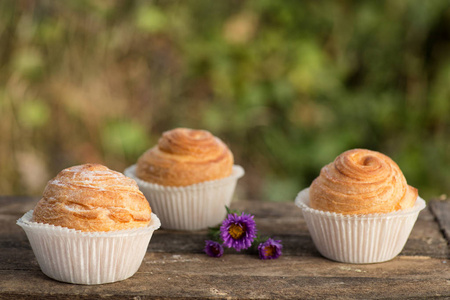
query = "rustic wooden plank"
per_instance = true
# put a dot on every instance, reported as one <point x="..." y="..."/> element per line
<point x="16" y="205"/>
<point x="239" y="276"/>
<point x="175" y="266"/>
<point x="441" y="210"/>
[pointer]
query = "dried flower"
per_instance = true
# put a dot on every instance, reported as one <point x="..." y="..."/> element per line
<point x="213" y="249"/>
<point x="270" y="249"/>
<point x="238" y="231"/>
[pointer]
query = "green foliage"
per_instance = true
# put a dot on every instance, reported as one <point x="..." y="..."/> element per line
<point x="33" y="113"/>
<point x="124" y="138"/>
<point x="150" y="18"/>
<point x="288" y="85"/>
<point x="28" y="64"/>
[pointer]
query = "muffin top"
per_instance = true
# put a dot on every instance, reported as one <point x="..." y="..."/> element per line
<point x="185" y="156"/>
<point x="91" y="197"/>
<point x="361" y="181"/>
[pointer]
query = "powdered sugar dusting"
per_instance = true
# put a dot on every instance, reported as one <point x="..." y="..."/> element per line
<point x="94" y="176"/>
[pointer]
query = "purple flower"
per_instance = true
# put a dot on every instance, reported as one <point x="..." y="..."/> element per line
<point x="238" y="232"/>
<point x="213" y="249"/>
<point x="270" y="249"/>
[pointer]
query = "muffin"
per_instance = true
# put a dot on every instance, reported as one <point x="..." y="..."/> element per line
<point x="91" y="226"/>
<point x="184" y="157"/>
<point x="360" y="208"/>
<point x="188" y="178"/>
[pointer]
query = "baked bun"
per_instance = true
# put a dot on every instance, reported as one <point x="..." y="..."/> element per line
<point x="92" y="197"/>
<point x="361" y="182"/>
<point x="185" y="156"/>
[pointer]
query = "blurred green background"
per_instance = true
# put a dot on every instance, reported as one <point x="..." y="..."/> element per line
<point x="288" y="85"/>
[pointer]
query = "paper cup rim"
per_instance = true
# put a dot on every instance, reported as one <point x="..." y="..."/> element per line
<point x="236" y="173"/>
<point x="302" y="201"/>
<point x="26" y="223"/>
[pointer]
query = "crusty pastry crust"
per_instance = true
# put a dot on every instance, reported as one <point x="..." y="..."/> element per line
<point x="361" y="181"/>
<point x="92" y="197"/>
<point x="185" y="156"/>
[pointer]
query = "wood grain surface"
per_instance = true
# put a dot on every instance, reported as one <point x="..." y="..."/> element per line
<point x="176" y="267"/>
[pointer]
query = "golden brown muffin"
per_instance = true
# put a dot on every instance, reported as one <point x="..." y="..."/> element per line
<point x="92" y="197"/>
<point x="361" y="181"/>
<point x="185" y="156"/>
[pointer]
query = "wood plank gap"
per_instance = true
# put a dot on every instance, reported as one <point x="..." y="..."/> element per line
<point x="441" y="212"/>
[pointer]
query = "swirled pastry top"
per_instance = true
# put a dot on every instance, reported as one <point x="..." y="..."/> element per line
<point x="361" y="182"/>
<point x="185" y="156"/>
<point x="92" y="197"/>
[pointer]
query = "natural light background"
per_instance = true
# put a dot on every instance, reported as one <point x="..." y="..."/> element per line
<point x="288" y="85"/>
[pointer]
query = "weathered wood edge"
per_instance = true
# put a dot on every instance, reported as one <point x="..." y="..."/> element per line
<point x="235" y="276"/>
<point x="441" y="211"/>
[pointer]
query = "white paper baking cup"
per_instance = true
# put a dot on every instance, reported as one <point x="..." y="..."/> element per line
<point x="79" y="257"/>
<point x="191" y="207"/>
<point x="357" y="239"/>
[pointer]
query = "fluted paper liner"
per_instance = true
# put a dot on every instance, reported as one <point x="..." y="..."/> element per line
<point x="79" y="257"/>
<point x="368" y="238"/>
<point x="191" y="207"/>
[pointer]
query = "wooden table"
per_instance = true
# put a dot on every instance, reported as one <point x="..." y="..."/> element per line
<point x="176" y="267"/>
